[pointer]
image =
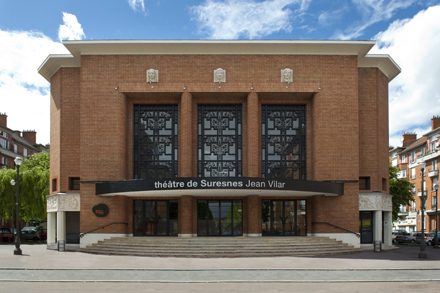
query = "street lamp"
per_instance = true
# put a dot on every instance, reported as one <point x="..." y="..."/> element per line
<point x="422" y="253"/>
<point x="17" y="251"/>
<point x="436" y="217"/>
<point x="12" y="205"/>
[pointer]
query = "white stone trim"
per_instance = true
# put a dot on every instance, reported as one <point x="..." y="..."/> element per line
<point x="63" y="202"/>
<point x="350" y="239"/>
<point x="375" y="201"/>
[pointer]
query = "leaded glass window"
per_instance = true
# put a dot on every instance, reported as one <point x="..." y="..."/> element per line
<point x="283" y="146"/>
<point x="219" y="145"/>
<point x="155" y="141"/>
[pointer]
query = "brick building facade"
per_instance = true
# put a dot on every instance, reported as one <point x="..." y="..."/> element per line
<point x="408" y="159"/>
<point x="219" y="138"/>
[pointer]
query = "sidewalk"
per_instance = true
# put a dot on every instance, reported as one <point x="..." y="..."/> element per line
<point x="38" y="257"/>
<point x="42" y="270"/>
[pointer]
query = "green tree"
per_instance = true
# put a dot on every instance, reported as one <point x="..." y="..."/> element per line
<point x="401" y="190"/>
<point x="34" y="187"/>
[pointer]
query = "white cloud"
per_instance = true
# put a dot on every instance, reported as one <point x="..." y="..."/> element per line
<point x="233" y="19"/>
<point x="24" y="94"/>
<point x="373" y="11"/>
<point x="71" y="29"/>
<point x="414" y="98"/>
<point x="137" y="5"/>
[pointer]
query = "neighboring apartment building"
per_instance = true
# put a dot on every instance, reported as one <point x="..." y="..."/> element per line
<point x="407" y="158"/>
<point x="219" y="138"/>
<point x="14" y="143"/>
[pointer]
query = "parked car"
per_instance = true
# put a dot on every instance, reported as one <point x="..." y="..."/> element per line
<point x="407" y="237"/>
<point x="6" y="235"/>
<point x="431" y="236"/>
<point x="43" y="234"/>
<point x="30" y="233"/>
<point x="428" y="240"/>
<point x="395" y="234"/>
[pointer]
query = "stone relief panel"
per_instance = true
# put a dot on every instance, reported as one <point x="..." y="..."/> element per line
<point x="63" y="202"/>
<point x="52" y="203"/>
<point x="287" y="75"/>
<point x="219" y="75"/>
<point x="152" y="75"/>
<point x="375" y="202"/>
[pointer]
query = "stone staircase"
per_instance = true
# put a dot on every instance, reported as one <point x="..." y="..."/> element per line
<point x="220" y="247"/>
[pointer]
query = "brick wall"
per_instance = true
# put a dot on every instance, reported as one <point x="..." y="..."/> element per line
<point x="96" y="104"/>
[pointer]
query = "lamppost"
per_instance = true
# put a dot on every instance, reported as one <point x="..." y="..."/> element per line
<point x="12" y="205"/>
<point x="422" y="253"/>
<point x="436" y="217"/>
<point x="17" y="251"/>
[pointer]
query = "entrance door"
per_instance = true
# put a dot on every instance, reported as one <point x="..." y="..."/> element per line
<point x="155" y="218"/>
<point x="366" y="227"/>
<point x="219" y="218"/>
<point x="284" y="218"/>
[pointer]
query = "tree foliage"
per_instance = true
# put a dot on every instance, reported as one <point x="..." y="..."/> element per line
<point x="33" y="188"/>
<point x="401" y="190"/>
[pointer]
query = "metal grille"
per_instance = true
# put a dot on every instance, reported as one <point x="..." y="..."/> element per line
<point x="283" y="141"/>
<point x="219" y="141"/>
<point x="155" y="141"/>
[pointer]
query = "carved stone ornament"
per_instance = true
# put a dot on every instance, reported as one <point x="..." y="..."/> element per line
<point x="375" y="202"/>
<point x="286" y="75"/>
<point x="219" y="75"/>
<point x="63" y="202"/>
<point x="152" y="75"/>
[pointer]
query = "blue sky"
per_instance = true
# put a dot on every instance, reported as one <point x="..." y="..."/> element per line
<point x="408" y="30"/>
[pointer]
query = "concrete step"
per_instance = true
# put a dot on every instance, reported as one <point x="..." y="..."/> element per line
<point x="202" y="247"/>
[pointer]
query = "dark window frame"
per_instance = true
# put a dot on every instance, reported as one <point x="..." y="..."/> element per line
<point x="290" y="122"/>
<point x="364" y="183"/>
<point x="155" y="141"/>
<point x="74" y="183"/>
<point x="227" y="123"/>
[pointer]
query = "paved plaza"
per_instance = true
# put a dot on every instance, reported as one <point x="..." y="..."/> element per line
<point x="39" y="269"/>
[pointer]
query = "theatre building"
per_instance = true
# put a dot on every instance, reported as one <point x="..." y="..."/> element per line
<point x="219" y="138"/>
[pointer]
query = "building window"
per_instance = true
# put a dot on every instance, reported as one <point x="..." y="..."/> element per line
<point x="413" y="173"/>
<point x="283" y="141"/>
<point x="155" y="141"/>
<point x="54" y="185"/>
<point x="384" y="184"/>
<point x="74" y="183"/>
<point x="364" y="183"/>
<point x="25" y="152"/>
<point x="403" y="158"/>
<point x="4" y="161"/>
<point x="15" y="148"/>
<point x="413" y="156"/>
<point x="434" y="182"/>
<point x="434" y="165"/>
<point x="219" y="141"/>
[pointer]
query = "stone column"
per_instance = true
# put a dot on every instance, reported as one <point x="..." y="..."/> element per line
<point x="254" y="215"/>
<point x="185" y="216"/>
<point x="51" y="226"/>
<point x="61" y="226"/>
<point x="388" y="227"/>
<point x="185" y="135"/>
<point x="253" y="136"/>
<point x="377" y="229"/>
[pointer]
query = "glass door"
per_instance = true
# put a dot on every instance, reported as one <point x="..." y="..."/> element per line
<point x="155" y="218"/>
<point x="366" y="227"/>
<point x="284" y="218"/>
<point x="219" y="218"/>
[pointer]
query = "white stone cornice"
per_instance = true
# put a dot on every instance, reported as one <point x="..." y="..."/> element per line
<point x="375" y="201"/>
<point x="63" y="202"/>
